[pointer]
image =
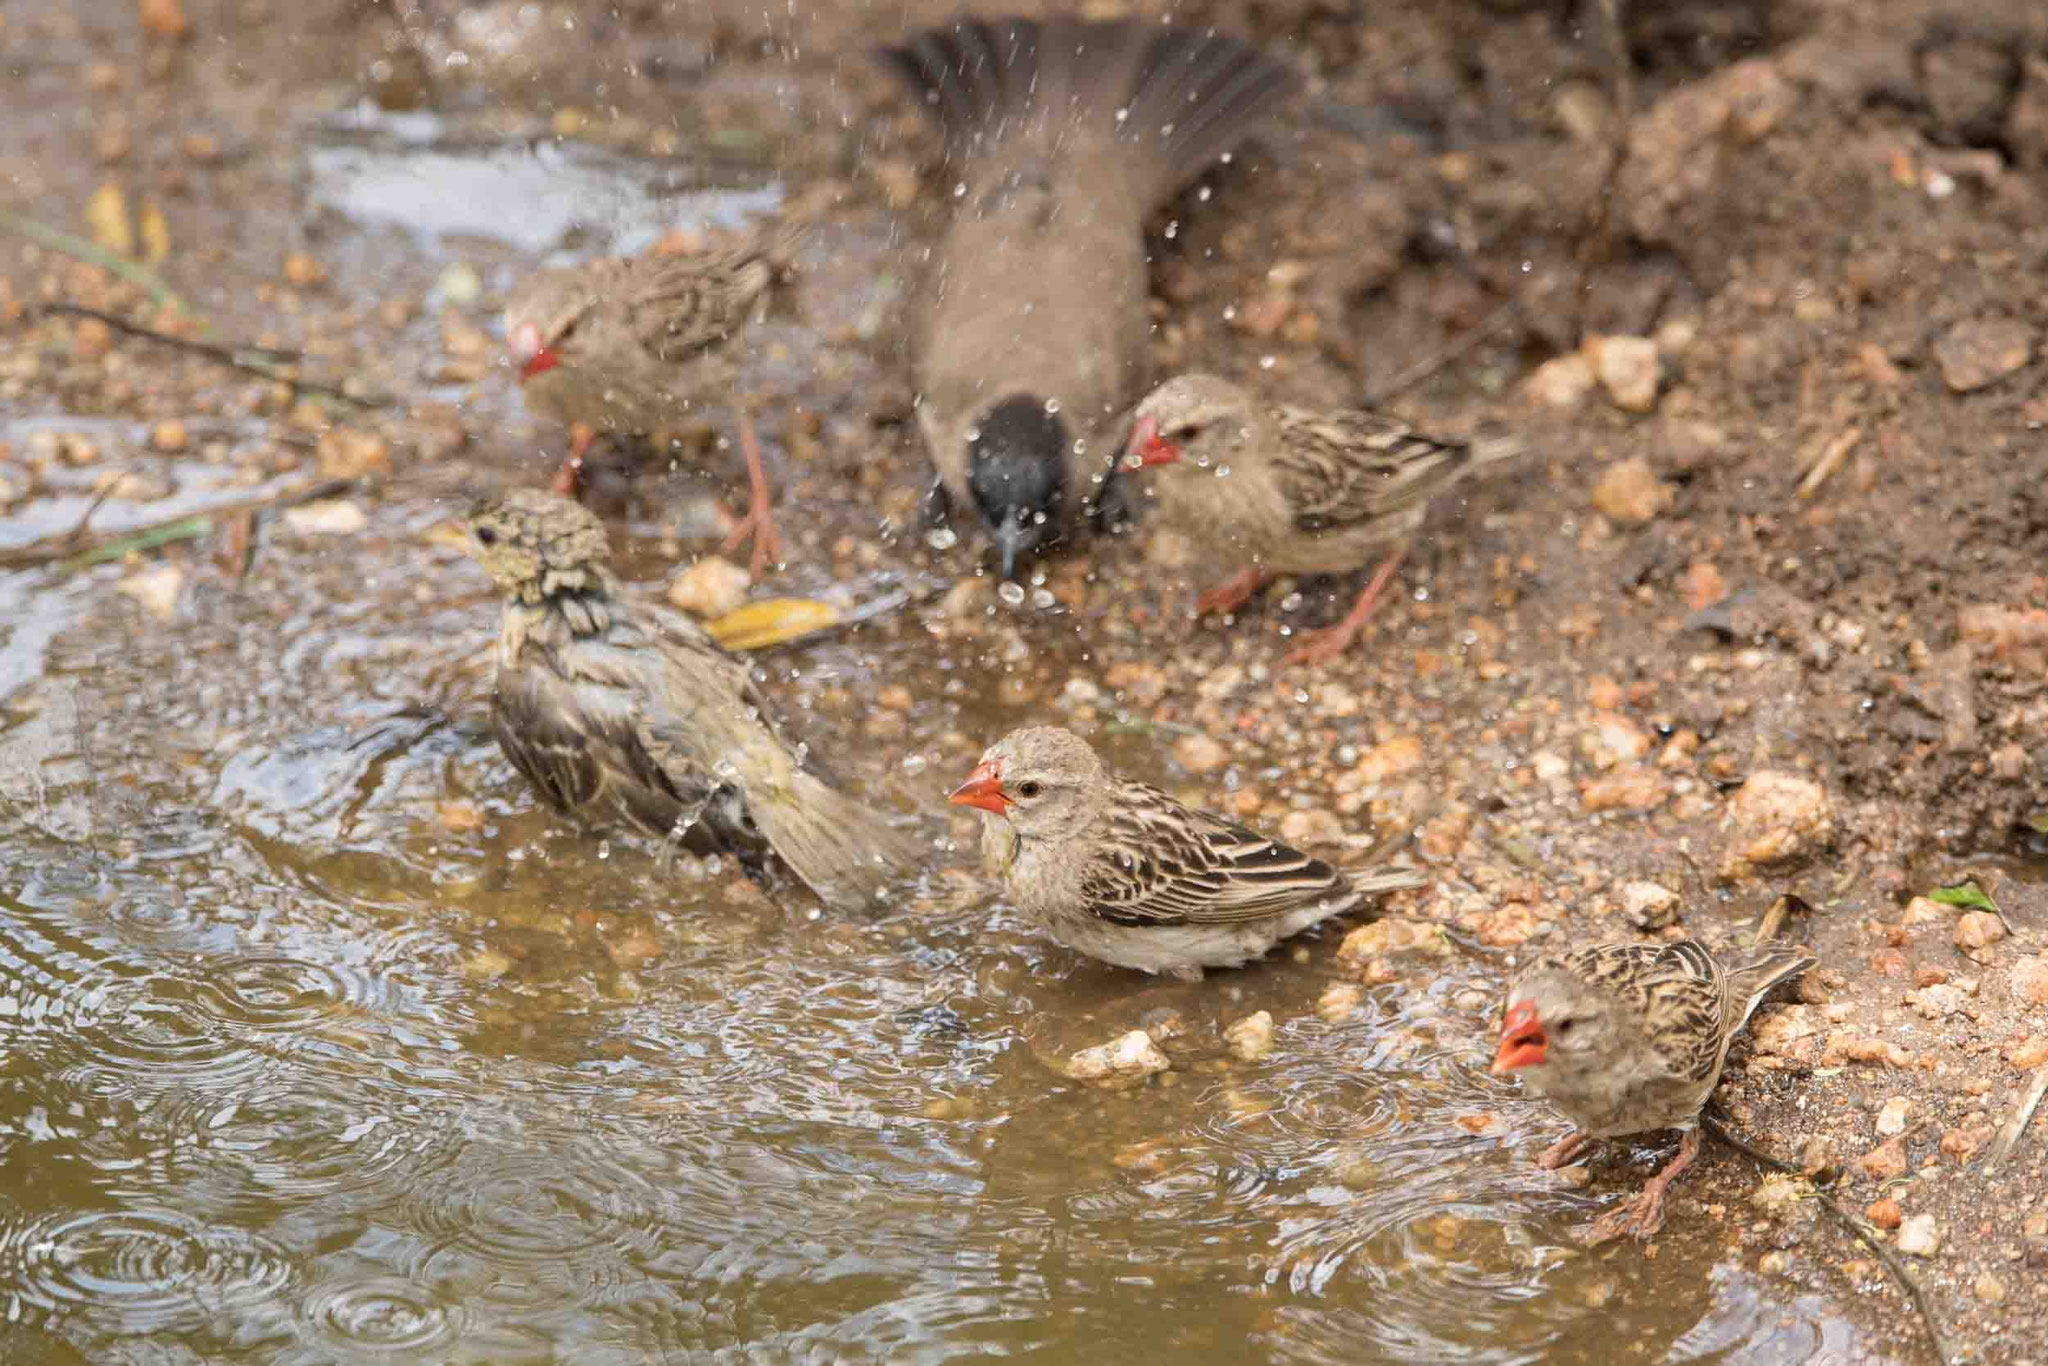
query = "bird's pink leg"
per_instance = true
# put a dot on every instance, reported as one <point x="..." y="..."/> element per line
<point x="569" y="478"/>
<point x="1320" y="647"/>
<point x="1234" y="591"/>
<point x="1644" y="1215"/>
<point x="757" y="523"/>
<point x="1561" y="1153"/>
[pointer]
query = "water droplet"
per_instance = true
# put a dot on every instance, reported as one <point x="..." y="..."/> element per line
<point x="1203" y="194"/>
<point x="1291" y="603"/>
<point x="1268" y="362"/>
<point x="1052" y="406"/>
<point x="960" y="190"/>
<point x="942" y="538"/>
<point x="1229" y="312"/>
<point x="973" y="434"/>
<point x="1528" y="266"/>
<point x="604" y="849"/>
<point x="1166" y="130"/>
<point x="1223" y="471"/>
<point x="1226" y="157"/>
<point x="1172" y="229"/>
<point x="1010" y="592"/>
<point x="1122" y="114"/>
<point x="1081" y="446"/>
<point x="1042" y="598"/>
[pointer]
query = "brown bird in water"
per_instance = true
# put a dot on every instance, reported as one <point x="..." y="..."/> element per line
<point x="626" y="348"/>
<point x="1122" y="872"/>
<point x="1294" y="490"/>
<point x="1030" y="334"/>
<point x="621" y="711"/>
<point x="1625" y="1038"/>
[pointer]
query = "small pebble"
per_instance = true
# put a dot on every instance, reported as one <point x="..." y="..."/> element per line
<point x="710" y="588"/>
<point x="1892" y="1118"/>
<point x="169" y="436"/>
<point x="1251" y="1038"/>
<point x="1918" y="1237"/>
<point x="1199" y="754"/>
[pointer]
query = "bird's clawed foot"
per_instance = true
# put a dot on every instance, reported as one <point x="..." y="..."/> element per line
<point x="1322" y="647"/>
<point x="1644" y="1215"/>
<point x="758" y="523"/>
<point x="1565" y="1151"/>
<point x="1233" y="593"/>
<point x="568" y="480"/>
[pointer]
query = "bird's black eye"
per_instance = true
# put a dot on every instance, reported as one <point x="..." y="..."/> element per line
<point x="486" y="536"/>
<point x="1185" y="432"/>
<point x="1028" y="788"/>
<point x="1564" y="1026"/>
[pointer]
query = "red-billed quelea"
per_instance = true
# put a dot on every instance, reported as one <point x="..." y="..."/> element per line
<point x="1627" y="1038"/>
<point x="621" y="712"/>
<point x="1294" y="490"/>
<point x="1122" y="872"/>
<point x="1030" y="334"/>
<point x="628" y="348"/>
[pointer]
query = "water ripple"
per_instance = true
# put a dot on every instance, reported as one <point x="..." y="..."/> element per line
<point x="142" y="1270"/>
<point x="380" y="1314"/>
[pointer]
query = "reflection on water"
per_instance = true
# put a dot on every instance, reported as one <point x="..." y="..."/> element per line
<point x="299" y="1069"/>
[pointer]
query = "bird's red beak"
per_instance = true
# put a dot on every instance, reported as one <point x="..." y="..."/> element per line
<point x="533" y="355"/>
<point x="1522" y="1043"/>
<point x="983" y="788"/>
<point x="1148" y="447"/>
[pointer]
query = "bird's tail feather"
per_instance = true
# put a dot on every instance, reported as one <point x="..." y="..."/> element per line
<point x="843" y="851"/>
<point x="1168" y="100"/>
<point x="1752" y="979"/>
<point x="1494" y="444"/>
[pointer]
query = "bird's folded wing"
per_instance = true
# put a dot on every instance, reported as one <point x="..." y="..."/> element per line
<point x="1345" y="469"/>
<point x="1161" y="863"/>
<point x="1679" y="991"/>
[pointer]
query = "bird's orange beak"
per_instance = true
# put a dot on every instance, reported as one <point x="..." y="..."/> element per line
<point x="1522" y="1043"/>
<point x="532" y="354"/>
<point x="983" y="788"/>
<point x="1147" y="447"/>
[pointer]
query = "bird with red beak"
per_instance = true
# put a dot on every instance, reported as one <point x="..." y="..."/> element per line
<point x="1628" y="1038"/>
<point x="632" y="349"/>
<point x="1124" y="873"/>
<point x="1288" y="490"/>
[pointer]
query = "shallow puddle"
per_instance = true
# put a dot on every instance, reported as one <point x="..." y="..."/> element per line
<point x="324" y="1045"/>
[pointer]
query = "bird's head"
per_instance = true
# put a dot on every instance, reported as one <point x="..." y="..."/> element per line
<point x="1017" y="473"/>
<point x="1041" y="779"/>
<point x="535" y="545"/>
<point x="1550" y="1021"/>
<point x="1190" y="423"/>
<point x="542" y="318"/>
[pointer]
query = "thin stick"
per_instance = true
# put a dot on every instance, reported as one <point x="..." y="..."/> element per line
<point x="142" y="277"/>
<point x="1775" y="918"/>
<point x="1442" y="356"/>
<point x="2009" y="1136"/>
<point x="1885" y="1253"/>
<point x="234" y="357"/>
<point x="61" y="548"/>
<point x="227" y="355"/>
<point x="1830" y="460"/>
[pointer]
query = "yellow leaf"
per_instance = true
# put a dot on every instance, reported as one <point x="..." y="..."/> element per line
<point x="156" y="234"/>
<point x="106" y="213"/>
<point x="771" y="621"/>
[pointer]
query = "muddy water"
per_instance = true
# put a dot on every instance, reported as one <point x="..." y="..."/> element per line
<point x="319" y="1043"/>
<point x="305" y="1064"/>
